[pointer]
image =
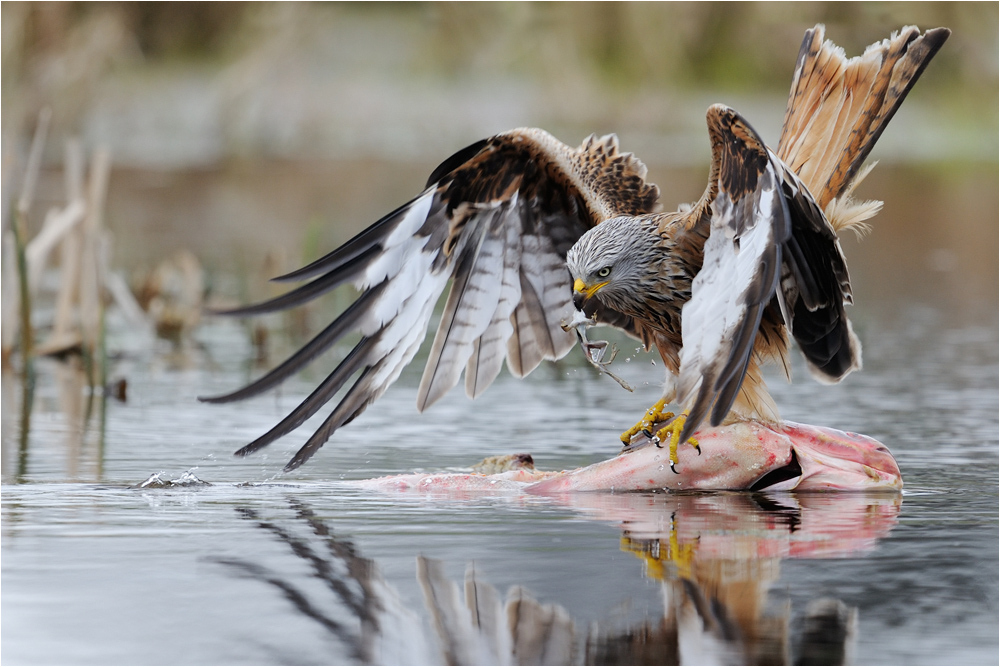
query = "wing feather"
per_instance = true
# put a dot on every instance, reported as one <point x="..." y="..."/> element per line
<point x="543" y="267"/>
<point x="359" y="244"/>
<point x="769" y="240"/>
<point x="356" y="359"/>
<point x="471" y="304"/>
<point x="815" y="286"/>
<point x="489" y="349"/>
<point x="346" y="272"/>
<point x="839" y="107"/>
<point x="739" y="274"/>
<point x="301" y="358"/>
<point x="524" y="349"/>
<point x="496" y="220"/>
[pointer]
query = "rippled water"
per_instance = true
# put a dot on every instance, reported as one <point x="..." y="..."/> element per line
<point x="258" y="567"/>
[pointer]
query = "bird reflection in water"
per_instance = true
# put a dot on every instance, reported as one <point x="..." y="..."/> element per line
<point x="352" y="579"/>
<point x="716" y="555"/>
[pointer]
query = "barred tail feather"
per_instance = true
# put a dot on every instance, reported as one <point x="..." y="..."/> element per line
<point x="839" y="107"/>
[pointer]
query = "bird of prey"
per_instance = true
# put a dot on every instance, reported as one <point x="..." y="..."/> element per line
<point x="526" y="229"/>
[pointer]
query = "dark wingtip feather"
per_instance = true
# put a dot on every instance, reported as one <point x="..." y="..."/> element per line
<point x="358" y="397"/>
<point x="300" y="295"/>
<point x="320" y="343"/>
<point x="935" y="39"/>
<point x="361" y="243"/>
<point x="317" y="399"/>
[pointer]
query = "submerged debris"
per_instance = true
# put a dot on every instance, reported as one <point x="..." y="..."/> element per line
<point x="492" y="465"/>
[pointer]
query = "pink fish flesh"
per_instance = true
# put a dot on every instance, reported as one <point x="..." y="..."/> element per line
<point x="746" y="455"/>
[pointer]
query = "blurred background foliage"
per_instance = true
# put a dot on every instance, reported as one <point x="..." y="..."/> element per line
<point x="583" y="61"/>
<point x="240" y="130"/>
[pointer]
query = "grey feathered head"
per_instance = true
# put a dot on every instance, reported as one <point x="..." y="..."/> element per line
<point x="609" y="262"/>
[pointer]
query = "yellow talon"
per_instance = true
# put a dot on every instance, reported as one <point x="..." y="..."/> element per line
<point x="674" y="429"/>
<point x="653" y="416"/>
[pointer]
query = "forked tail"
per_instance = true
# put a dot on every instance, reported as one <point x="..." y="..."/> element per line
<point x="838" y="107"/>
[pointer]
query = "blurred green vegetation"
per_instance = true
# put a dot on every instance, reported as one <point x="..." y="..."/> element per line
<point x="691" y="44"/>
<point x="55" y="52"/>
<point x="252" y="130"/>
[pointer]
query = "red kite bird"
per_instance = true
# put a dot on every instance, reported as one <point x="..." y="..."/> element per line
<point x="526" y="227"/>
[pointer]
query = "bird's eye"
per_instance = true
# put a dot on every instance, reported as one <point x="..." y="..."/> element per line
<point x="605" y="272"/>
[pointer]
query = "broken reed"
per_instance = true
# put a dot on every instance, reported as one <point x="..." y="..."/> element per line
<point x="79" y="325"/>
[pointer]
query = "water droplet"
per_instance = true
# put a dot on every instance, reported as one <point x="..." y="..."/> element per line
<point x="661" y="467"/>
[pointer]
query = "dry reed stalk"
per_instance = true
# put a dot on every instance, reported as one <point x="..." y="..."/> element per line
<point x="64" y="334"/>
<point x="20" y="233"/>
<point x="93" y="255"/>
<point x="85" y="280"/>
<point x="58" y="224"/>
<point x="84" y="248"/>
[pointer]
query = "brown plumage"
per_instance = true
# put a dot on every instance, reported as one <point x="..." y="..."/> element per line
<point x="715" y="331"/>
<point x="714" y="287"/>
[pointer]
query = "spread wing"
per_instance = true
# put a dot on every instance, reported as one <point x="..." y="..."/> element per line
<point x="768" y="240"/>
<point x="496" y="220"/>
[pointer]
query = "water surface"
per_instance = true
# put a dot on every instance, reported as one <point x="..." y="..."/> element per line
<point x="261" y="567"/>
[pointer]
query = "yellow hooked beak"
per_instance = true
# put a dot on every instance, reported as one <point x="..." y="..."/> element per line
<point x="580" y="287"/>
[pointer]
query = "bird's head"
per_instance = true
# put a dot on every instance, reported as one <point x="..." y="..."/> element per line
<point x="608" y="262"/>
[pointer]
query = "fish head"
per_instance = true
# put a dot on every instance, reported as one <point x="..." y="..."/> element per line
<point x="746" y="455"/>
<point x="834" y="460"/>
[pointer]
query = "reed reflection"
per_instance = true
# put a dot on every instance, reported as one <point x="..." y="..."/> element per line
<point x="80" y="412"/>
<point x="716" y="556"/>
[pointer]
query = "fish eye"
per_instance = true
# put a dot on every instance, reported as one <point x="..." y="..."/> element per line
<point x="605" y="272"/>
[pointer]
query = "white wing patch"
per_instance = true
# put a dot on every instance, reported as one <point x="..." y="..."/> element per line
<point x="470" y="307"/>
<point x="400" y="244"/>
<point x="737" y="279"/>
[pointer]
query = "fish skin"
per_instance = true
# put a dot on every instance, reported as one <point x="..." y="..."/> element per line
<point x="733" y="458"/>
<point x="833" y="460"/>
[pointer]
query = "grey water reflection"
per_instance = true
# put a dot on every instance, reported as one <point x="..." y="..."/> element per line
<point x="98" y="570"/>
<point x="337" y="569"/>
<point x="715" y="556"/>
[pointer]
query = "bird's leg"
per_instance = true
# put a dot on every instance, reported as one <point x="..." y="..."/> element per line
<point x="652" y="416"/>
<point x="673" y="430"/>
